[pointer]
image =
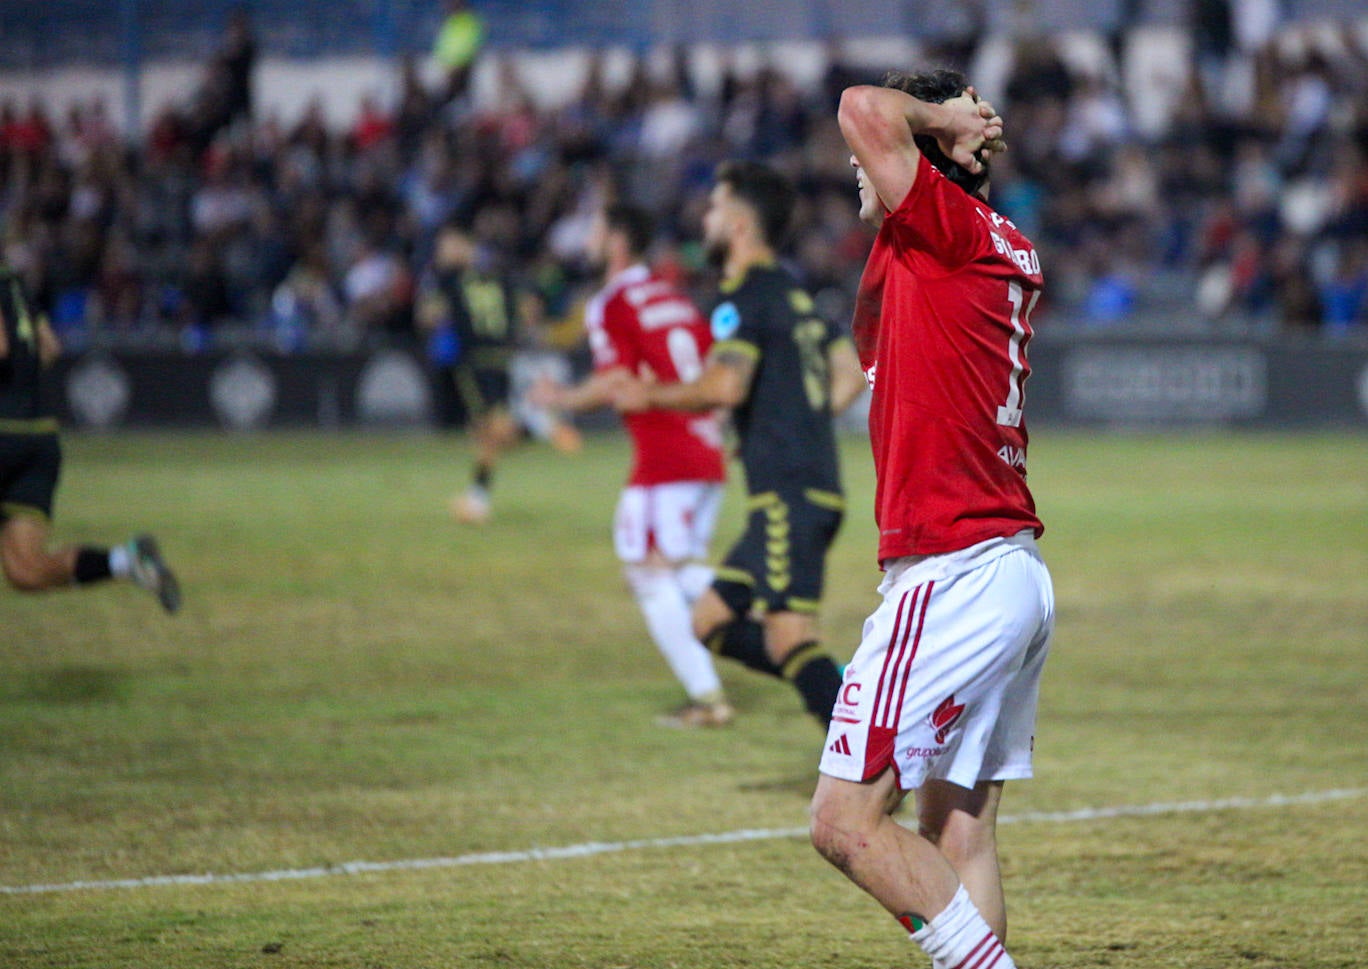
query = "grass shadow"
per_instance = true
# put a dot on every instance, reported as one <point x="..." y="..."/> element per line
<point x="73" y="684"/>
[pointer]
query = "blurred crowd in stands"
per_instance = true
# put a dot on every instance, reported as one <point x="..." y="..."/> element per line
<point x="1247" y="208"/>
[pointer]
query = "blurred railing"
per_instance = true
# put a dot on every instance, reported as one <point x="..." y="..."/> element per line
<point x="36" y="34"/>
<point x="1088" y="379"/>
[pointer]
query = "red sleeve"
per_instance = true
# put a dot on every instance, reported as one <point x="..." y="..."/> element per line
<point x="617" y="345"/>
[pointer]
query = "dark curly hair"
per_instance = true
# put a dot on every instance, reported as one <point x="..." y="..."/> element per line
<point x="937" y="87"/>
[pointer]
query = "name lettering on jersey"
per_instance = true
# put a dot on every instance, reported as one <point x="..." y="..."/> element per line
<point x="1015" y="456"/>
<point x="666" y="313"/>
<point x="642" y="292"/>
<point x="1025" y="259"/>
<point x="869" y="374"/>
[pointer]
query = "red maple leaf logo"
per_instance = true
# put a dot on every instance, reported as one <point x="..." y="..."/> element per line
<point x="945" y="717"/>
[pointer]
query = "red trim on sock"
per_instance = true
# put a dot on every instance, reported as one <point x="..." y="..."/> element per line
<point x="974" y="960"/>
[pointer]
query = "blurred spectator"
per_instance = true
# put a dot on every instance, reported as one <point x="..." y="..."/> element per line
<point x="458" y="43"/>
<point x="237" y="60"/>
<point x="378" y="291"/>
<point x="1250" y="201"/>
<point x="1344" y="296"/>
<point x="206" y="299"/>
<point x="306" y="307"/>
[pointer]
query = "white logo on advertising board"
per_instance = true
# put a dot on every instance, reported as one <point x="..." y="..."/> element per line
<point x="393" y="389"/>
<point x="98" y="391"/>
<point x="243" y="393"/>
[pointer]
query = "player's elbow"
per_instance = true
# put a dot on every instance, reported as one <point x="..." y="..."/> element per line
<point x="859" y="112"/>
<point x="723" y="384"/>
<point x="727" y="394"/>
<point x="854" y="106"/>
<point x="25" y="574"/>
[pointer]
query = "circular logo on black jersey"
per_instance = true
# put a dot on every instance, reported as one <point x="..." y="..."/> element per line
<point x="726" y="320"/>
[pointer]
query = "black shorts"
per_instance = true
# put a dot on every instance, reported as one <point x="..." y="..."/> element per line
<point x="30" y="465"/>
<point x="481" y="389"/>
<point x="779" y="563"/>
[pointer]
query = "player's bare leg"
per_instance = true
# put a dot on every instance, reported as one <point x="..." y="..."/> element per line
<point x="852" y="827"/>
<point x="28" y="563"/>
<point x="493" y="433"/>
<point x="30" y="566"/>
<point x="783" y="645"/>
<point x="710" y="614"/>
<point x="792" y="642"/>
<point x="962" y="824"/>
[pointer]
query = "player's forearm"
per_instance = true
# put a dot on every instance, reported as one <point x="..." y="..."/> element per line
<point x="845" y="390"/>
<point x="847" y="376"/>
<point x="593" y="393"/>
<point x="883" y="119"/>
<point x="690" y="397"/>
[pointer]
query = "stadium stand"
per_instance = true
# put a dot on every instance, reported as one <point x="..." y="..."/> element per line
<point x="1217" y="184"/>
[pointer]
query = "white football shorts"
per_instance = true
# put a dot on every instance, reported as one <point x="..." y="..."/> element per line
<point x="676" y="519"/>
<point x="946" y="680"/>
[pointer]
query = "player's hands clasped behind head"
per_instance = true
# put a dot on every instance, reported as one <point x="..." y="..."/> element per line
<point x="974" y="131"/>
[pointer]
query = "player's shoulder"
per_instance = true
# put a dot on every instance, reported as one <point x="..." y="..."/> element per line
<point x="758" y="290"/>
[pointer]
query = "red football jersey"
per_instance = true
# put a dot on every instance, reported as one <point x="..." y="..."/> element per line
<point x="941" y="324"/>
<point x="641" y="322"/>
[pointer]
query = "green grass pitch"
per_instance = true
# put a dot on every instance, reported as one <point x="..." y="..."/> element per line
<point x="356" y="678"/>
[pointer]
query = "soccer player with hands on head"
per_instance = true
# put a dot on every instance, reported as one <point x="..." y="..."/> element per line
<point x="940" y="698"/>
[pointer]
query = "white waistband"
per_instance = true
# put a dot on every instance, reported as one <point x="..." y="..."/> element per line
<point x="931" y="567"/>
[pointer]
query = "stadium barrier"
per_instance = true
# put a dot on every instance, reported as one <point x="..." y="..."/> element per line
<point x="1090" y="382"/>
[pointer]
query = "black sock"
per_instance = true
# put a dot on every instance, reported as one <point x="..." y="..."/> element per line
<point x="744" y="641"/>
<point x="92" y="565"/>
<point x="484" y="474"/>
<point x="814" y="675"/>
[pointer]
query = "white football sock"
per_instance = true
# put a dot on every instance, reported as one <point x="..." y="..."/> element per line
<point x="662" y="602"/>
<point x="120" y="561"/>
<point x="959" y="938"/>
<point x="694" y="578"/>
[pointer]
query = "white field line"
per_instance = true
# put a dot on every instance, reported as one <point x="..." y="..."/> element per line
<point x="684" y="841"/>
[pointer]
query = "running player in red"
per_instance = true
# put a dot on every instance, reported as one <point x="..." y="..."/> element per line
<point x="940" y="697"/>
<point x="640" y="325"/>
<point x="784" y="371"/>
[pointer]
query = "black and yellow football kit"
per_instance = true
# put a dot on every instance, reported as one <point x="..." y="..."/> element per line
<point x="30" y="453"/>
<point x="481" y="312"/>
<point x="788" y="449"/>
<point x="787" y="443"/>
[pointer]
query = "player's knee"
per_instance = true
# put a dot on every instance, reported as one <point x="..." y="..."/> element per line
<point x="962" y="841"/>
<point x="709" y="615"/>
<point x="785" y="632"/>
<point x="25" y="573"/>
<point x="839" y="833"/>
